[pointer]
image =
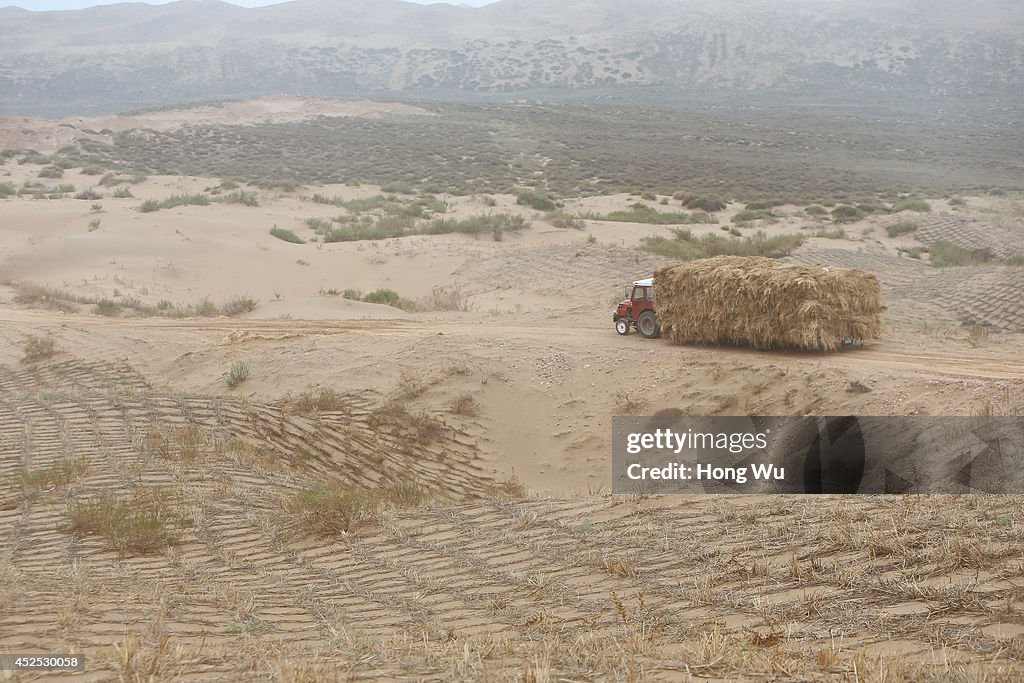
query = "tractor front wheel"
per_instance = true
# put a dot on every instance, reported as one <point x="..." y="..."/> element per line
<point x="622" y="326"/>
<point x="648" y="325"/>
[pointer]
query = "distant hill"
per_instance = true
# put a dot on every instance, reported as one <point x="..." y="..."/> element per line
<point x="128" y="56"/>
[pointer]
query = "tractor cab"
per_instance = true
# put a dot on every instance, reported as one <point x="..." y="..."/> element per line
<point x="638" y="304"/>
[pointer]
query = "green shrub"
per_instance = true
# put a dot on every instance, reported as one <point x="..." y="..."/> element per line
<point x="748" y="215"/>
<point x="388" y="297"/>
<point x="762" y="204"/>
<point x="398" y="187"/>
<point x="149" y="206"/>
<point x="107" y="307"/>
<point x="123" y="193"/>
<point x="286" y="235"/>
<point x="844" y="213"/>
<point x="52" y="172"/>
<point x="901" y="228"/>
<point x="833" y="234"/>
<point x="536" y="200"/>
<point x="913" y="204"/>
<point x="137" y="525"/>
<point x="703" y="202"/>
<point x="873" y="206"/>
<point x="816" y="210"/>
<point x="686" y="247"/>
<point x="90" y="195"/>
<point x="241" y="197"/>
<point x="946" y="254"/>
<point x="237" y="373"/>
<point x="7" y="190"/>
<point x="238" y="305"/>
<point x="641" y="213"/>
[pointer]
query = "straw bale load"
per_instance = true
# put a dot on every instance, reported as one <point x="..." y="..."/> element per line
<point x="766" y="303"/>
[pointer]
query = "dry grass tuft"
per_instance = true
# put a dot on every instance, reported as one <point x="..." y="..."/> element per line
<point x="465" y="404"/>
<point x="138" y="525"/>
<point x="38" y="348"/>
<point x="627" y="403"/>
<point x="53" y="477"/>
<point x="339" y="507"/>
<point x="317" y="400"/>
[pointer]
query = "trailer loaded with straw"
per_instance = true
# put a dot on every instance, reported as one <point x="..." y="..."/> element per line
<point x="755" y="301"/>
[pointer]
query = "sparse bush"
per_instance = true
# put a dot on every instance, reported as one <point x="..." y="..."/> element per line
<point x="913" y="204"/>
<point x="38" y="348"/>
<point x="317" y="400"/>
<point x="89" y="195"/>
<point x="286" y="235"/>
<point x="536" y="200"/>
<point x="873" y="206"/>
<point x="238" y="305"/>
<point x="686" y="247"/>
<point x="465" y="404"/>
<point x="446" y="299"/>
<point x="339" y="507"/>
<point x="398" y="187"/>
<point x="329" y="510"/>
<point x="136" y="525"/>
<point x="844" y="213"/>
<point x="7" y="190"/>
<point x="832" y="234"/>
<point x="561" y="219"/>
<point x="641" y="213"/>
<point x="174" y="201"/>
<point x="763" y="204"/>
<point x="649" y="196"/>
<point x="241" y="197"/>
<point x="388" y="297"/>
<point x="352" y="294"/>
<point x="748" y="215"/>
<point x="94" y="224"/>
<point x="237" y="373"/>
<point x="901" y="228"/>
<point x="816" y="210"/>
<point x="52" y="172"/>
<point x="53" y="477"/>
<point x="123" y="193"/>
<point x="946" y="254"/>
<point x="703" y="202"/>
<point x="107" y="307"/>
<point x="475" y="225"/>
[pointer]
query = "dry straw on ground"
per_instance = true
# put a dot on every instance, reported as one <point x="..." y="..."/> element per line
<point x="766" y="303"/>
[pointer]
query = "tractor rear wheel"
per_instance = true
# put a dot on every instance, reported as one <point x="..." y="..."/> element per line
<point x="648" y="325"/>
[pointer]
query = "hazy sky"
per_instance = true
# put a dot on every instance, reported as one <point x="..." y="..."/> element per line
<point x="37" y="5"/>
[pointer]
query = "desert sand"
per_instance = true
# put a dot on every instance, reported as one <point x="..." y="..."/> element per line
<point x="519" y="565"/>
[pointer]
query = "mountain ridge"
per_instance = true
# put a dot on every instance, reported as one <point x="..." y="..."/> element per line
<point x="113" y="57"/>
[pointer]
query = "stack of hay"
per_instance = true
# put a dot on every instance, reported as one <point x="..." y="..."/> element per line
<point x="766" y="303"/>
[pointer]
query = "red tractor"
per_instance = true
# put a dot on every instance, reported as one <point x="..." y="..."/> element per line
<point x="637" y="310"/>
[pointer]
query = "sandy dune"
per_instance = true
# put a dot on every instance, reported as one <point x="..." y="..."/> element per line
<point x="519" y="565"/>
